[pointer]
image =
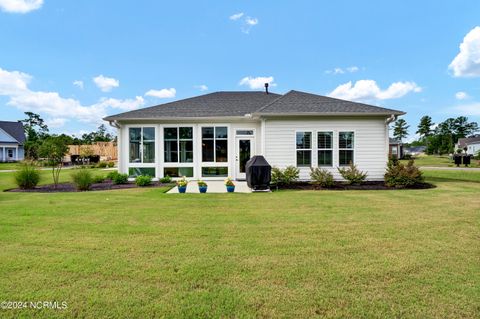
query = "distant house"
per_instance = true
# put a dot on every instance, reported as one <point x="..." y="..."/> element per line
<point x="12" y="140"/>
<point x="463" y="142"/>
<point x="473" y="147"/>
<point x="414" y="150"/>
<point x="395" y="148"/>
<point x="212" y="136"/>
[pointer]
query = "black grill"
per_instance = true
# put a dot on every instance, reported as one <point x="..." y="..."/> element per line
<point x="259" y="173"/>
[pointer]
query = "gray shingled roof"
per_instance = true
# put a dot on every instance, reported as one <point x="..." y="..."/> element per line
<point x="223" y="104"/>
<point x="15" y="129"/>
<point x="295" y="102"/>
<point x="219" y="104"/>
<point x="462" y="142"/>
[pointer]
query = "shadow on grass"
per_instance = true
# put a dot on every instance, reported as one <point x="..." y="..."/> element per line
<point x="449" y="179"/>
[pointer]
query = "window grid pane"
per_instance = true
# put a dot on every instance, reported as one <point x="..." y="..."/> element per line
<point x="215" y="144"/>
<point x="325" y="158"/>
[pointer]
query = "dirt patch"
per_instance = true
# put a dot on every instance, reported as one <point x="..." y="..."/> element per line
<point x="342" y="186"/>
<point x="70" y="187"/>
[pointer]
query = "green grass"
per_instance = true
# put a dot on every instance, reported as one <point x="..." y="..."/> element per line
<point x="9" y="166"/>
<point x="140" y="253"/>
<point x="438" y="161"/>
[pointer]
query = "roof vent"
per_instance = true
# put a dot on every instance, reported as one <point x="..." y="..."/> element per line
<point x="266" y="88"/>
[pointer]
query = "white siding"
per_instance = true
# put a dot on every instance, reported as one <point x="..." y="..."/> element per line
<point x="370" y="151"/>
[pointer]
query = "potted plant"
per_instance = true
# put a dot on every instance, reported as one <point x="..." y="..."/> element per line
<point x="202" y="186"/>
<point x="230" y="185"/>
<point x="182" y="185"/>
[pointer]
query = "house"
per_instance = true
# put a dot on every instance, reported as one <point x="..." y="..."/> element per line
<point x="414" y="150"/>
<point x="462" y="143"/>
<point x="12" y="140"/>
<point x="395" y="148"/>
<point x="213" y="135"/>
<point x="473" y="147"/>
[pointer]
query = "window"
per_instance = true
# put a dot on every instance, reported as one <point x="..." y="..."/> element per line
<point x="325" y="148"/>
<point x="244" y="132"/>
<point x="304" y="148"/>
<point x="178" y="171"/>
<point x="137" y="171"/>
<point x="142" y="145"/>
<point x="345" y="148"/>
<point x="178" y="144"/>
<point x="214" y="171"/>
<point x="214" y="144"/>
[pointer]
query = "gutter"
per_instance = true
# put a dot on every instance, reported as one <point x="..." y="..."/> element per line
<point x="114" y="124"/>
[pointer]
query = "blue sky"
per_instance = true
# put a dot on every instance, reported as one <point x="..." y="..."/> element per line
<point x="76" y="61"/>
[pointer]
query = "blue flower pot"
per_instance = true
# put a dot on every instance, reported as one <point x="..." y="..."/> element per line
<point x="202" y="189"/>
<point x="230" y="189"/>
<point x="182" y="189"/>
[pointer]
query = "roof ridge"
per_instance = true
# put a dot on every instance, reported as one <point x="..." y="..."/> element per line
<point x="268" y="104"/>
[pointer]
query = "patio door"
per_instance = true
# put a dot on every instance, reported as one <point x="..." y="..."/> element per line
<point x="244" y="151"/>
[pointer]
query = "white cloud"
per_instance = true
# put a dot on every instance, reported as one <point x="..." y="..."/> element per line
<point x="251" y="21"/>
<point x="201" y="87"/>
<point x="258" y="82"/>
<point x="59" y="110"/>
<point x="78" y="84"/>
<point x="236" y="16"/>
<point x="350" y="69"/>
<point x="472" y="109"/>
<point x="20" y="6"/>
<point x="368" y="90"/>
<point x="163" y="93"/>
<point x="56" y="122"/>
<point x="467" y="62"/>
<point x="105" y="84"/>
<point x="461" y="95"/>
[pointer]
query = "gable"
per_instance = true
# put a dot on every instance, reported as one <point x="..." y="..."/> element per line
<point x="6" y="138"/>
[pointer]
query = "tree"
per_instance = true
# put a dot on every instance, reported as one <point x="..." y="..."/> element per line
<point x="54" y="149"/>
<point x="35" y="131"/>
<point x="425" y="127"/>
<point x="400" y="129"/>
<point x="463" y="128"/>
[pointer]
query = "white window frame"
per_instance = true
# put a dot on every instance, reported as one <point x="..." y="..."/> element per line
<point x="214" y="162"/>
<point x="141" y="163"/>
<point x="178" y="163"/>
<point x="331" y="149"/>
<point x="347" y="149"/>
<point x="304" y="149"/>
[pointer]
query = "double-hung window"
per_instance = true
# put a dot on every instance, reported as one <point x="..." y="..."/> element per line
<point x="345" y="148"/>
<point x="325" y="148"/>
<point x="215" y="144"/>
<point x="178" y="144"/>
<point x="142" y="145"/>
<point x="304" y="148"/>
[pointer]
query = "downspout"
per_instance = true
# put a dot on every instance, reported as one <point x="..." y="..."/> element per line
<point x="115" y="124"/>
<point x="262" y="136"/>
<point x="389" y="120"/>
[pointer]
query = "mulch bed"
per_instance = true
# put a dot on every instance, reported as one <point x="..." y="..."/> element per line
<point x="70" y="187"/>
<point x="342" y="186"/>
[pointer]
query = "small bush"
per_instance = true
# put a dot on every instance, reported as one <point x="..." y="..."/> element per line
<point x="321" y="177"/>
<point x="284" y="177"/>
<point x="166" y="180"/>
<point x="111" y="164"/>
<point x="118" y="178"/>
<point x="102" y="165"/>
<point x="82" y="178"/>
<point x="27" y="177"/>
<point x="98" y="179"/>
<point x="400" y="176"/>
<point x="143" y="180"/>
<point x="352" y="174"/>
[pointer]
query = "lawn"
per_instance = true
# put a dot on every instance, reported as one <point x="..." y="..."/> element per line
<point x="140" y="253"/>
<point x="9" y="166"/>
<point x="438" y="161"/>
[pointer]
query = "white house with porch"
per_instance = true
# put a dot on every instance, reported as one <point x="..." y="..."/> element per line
<point x="12" y="139"/>
<point x="212" y="136"/>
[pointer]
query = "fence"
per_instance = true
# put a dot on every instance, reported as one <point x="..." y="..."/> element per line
<point x="107" y="150"/>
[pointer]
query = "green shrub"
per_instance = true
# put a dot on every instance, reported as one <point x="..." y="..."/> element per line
<point x="98" y="179"/>
<point x="102" y="165"/>
<point x="111" y="164"/>
<point x="399" y="175"/>
<point x="352" y="174"/>
<point x="321" y="177"/>
<point x="28" y="176"/>
<point x="166" y="180"/>
<point x="143" y="180"/>
<point x="118" y="178"/>
<point x="82" y="178"/>
<point x="284" y="177"/>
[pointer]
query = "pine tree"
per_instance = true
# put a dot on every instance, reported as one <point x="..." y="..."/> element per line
<point x="400" y="129"/>
<point x="425" y="127"/>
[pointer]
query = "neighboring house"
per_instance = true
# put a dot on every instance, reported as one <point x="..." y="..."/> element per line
<point x="212" y="136"/>
<point x="12" y="139"/>
<point x="395" y="148"/>
<point x="462" y="142"/>
<point x="414" y="150"/>
<point x="473" y="147"/>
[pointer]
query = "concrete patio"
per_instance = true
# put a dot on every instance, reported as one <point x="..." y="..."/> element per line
<point x="214" y="187"/>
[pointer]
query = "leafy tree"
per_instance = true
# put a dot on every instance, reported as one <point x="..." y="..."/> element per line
<point x="425" y="126"/>
<point x="400" y="129"/>
<point x="35" y="131"/>
<point x="54" y="149"/>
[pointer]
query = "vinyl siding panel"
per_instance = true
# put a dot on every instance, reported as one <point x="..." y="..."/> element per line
<point x="370" y="143"/>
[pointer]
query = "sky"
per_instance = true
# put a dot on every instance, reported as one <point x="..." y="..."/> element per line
<point x="74" y="62"/>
